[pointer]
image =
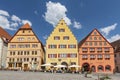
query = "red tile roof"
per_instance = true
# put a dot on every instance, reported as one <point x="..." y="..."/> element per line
<point x="5" y="34"/>
<point x="26" y="26"/>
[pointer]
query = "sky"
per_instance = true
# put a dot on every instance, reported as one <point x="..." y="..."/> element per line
<point x="82" y="16"/>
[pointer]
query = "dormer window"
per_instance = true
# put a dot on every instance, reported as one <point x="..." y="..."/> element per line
<point x="61" y="30"/>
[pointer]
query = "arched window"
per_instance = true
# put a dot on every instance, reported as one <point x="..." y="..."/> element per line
<point x="108" y="68"/>
<point x="100" y="68"/>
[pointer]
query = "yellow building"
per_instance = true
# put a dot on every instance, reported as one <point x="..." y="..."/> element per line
<point x="61" y="46"/>
<point x="25" y="51"/>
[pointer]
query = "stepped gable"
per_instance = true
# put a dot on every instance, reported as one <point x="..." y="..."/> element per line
<point x="4" y="34"/>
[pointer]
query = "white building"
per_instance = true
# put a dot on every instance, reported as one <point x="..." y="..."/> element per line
<point x="4" y="38"/>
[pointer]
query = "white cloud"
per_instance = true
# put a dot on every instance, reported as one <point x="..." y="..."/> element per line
<point x="4" y="13"/>
<point x="26" y="21"/>
<point x="15" y="18"/>
<point x="55" y="12"/>
<point x="45" y="37"/>
<point x="14" y="25"/>
<point x="11" y="22"/>
<point x="77" y="25"/>
<point x="114" y="38"/>
<point x="106" y="30"/>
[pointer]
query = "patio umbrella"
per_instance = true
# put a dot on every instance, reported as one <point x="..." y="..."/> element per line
<point x="60" y="66"/>
<point x="76" y="66"/>
<point x="47" y="64"/>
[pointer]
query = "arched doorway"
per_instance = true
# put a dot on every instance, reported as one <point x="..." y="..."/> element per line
<point x="86" y="67"/>
<point x="93" y="68"/>
<point x="64" y="63"/>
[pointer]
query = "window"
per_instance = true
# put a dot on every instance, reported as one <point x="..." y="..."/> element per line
<point x="32" y="52"/>
<point x="52" y="46"/>
<point x="62" y="46"/>
<point x="10" y="52"/>
<point x="99" y="49"/>
<point x="95" y="43"/>
<point x="90" y="43"/>
<point x="20" y="39"/>
<point x="27" y="59"/>
<point x="52" y="55"/>
<point x="56" y="38"/>
<point x="92" y="49"/>
<point x="34" y="45"/>
<point x="105" y="43"/>
<point x="99" y="56"/>
<point x="21" y="46"/>
<point x="100" y="38"/>
<point x="14" y="53"/>
<point x="13" y="46"/>
<point x="35" y="59"/>
<point x="95" y="33"/>
<point x="28" y="38"/>
<point x="86" y="43"/>
<point x="35" y="52"/>
<point x="90" y="38"/>
<point x="61" y="30"/>
<point x="21" y="52"/>
<point x="13" y="59"/>
<point x="108" y="68"/>
<point x="107" y="56"/>
<point x="84" y="56"/>
<point x="21" y="59"/>
<point x="92" y="56"/>
<point x="27" y="45"/>
<point x="18" y="52"/>
<point x="106" y="49"/>
<point x="72" y="46"/>
<point x="73" y="55"/>
<point x="100" y="43"/>
<point x="27" y="52"/>
<point x="9" y="59"/>
<point x="73" y="63"/>
<point x="84" y="49"/>
<point x="24" y="52"/>
<point x="23" y="31"/>
<point x="62" y="55"/>
<point x="17" y="59"/>
<point x="65" y="37"/>
<point x="95" y="38"/>
<point x="100" y="68"/>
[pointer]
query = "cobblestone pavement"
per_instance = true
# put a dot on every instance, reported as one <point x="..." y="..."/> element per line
<point x="20" y="75"/>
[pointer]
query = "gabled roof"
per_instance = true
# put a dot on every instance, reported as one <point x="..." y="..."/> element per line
<point x="82" y="41"/>
<point x="116" y="45"/>
<point x="26" y="26"/>
<point x="4" y="34"/>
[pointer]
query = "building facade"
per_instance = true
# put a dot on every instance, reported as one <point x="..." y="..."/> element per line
<point x="25" y="51"/>
<point x="61" y="46"/>
<point x="96" y="53"/>
<point x="116" y="45"/>
<point x="4" y="38"/>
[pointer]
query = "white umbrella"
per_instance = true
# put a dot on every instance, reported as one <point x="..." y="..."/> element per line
<point x="47" y="64"/>
<point x="60" y="66"/>
<point x="74" y="66"/>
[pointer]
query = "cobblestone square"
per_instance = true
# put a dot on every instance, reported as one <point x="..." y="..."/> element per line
<point x="21" y="75"/>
